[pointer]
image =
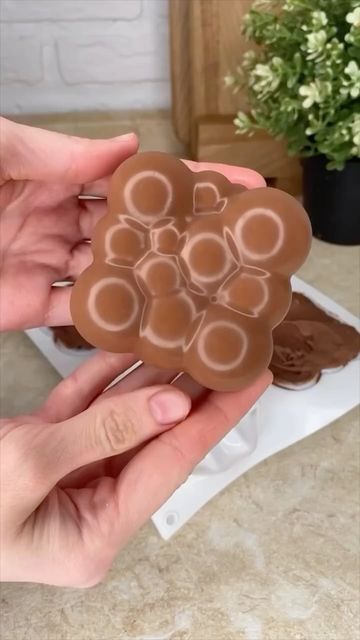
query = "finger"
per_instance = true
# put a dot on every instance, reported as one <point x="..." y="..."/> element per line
<point x="91" y="211"/>
<point x="76" y="392"/>
<point x="98" y="188"/>
<point x="165" y="463"/>
<point x="111" y="467"/>
<point x="243" y="175"/>
<point x="188" y="385"/>
<point x="29" y="153"/>
<point x="95" y="209"/>
<point x="104" y="430"/>
<point x="81" y="258"/>
<point x="142" y="376"/>
<point x="58" y="307"/>
<point x="239" y="175"/>
<point x="57" y="311"/>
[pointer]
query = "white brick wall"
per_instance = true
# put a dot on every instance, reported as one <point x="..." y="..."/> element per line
<point x="64" y="55"/>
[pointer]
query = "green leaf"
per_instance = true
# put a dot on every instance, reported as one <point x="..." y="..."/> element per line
<point x="291" y="57"/>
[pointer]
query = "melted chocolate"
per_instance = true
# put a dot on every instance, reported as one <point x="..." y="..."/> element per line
<point x="308" y="342"/>
<point x="69" y="337"/>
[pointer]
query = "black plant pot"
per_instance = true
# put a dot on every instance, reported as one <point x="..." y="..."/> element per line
<point x="332" y="200"/>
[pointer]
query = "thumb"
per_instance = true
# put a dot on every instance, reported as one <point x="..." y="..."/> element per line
<point x="29" y="153"/>
<point x="108" y="428"/>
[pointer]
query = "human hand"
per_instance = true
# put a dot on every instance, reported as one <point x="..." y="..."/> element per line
<point x="45" y="226"/>
<point x="79" y="477"/>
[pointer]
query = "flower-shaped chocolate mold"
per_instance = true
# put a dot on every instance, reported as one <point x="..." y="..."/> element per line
<point x="191" y="271"/>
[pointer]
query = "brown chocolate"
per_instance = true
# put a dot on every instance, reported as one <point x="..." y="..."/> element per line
<point x="70" y="338"/>
<point x="308" y="342"/>
<point x="191" y="272"/>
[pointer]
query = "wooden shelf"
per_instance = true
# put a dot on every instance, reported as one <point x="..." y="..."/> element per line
<point x="206" y="45"/>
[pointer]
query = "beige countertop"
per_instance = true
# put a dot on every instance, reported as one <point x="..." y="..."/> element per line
<point x="274" y="557"/>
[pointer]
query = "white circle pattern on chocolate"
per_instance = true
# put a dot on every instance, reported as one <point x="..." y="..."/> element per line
<point x="240" y="228"/>
<point x="169" y="343"/>
<point x="109" y="251"/>
<point x="154" y="261"/>
<point x="225" y="292"/>
<point x="265" y="290"/>
<point x="191" y="245"/>
<point x="210" y="362"/>
<point x="95" y="314"/>
<point x="129" y="198"/>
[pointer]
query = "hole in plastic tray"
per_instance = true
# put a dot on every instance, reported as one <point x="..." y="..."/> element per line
<point x="171" y="518"/>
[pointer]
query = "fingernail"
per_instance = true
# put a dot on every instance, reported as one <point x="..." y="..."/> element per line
<point x="126" y="137"/>
<point x="170" y="406"/>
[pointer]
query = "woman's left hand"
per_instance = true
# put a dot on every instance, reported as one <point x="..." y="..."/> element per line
<point x="44" y="224"/>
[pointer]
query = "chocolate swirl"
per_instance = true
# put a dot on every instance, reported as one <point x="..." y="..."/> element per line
<point x="308" y="342"/>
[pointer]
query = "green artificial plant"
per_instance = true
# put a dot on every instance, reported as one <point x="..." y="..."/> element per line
<point x="303" y="81"/>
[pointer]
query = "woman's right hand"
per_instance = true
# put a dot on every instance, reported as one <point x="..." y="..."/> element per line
<point x="79" y="477"/>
